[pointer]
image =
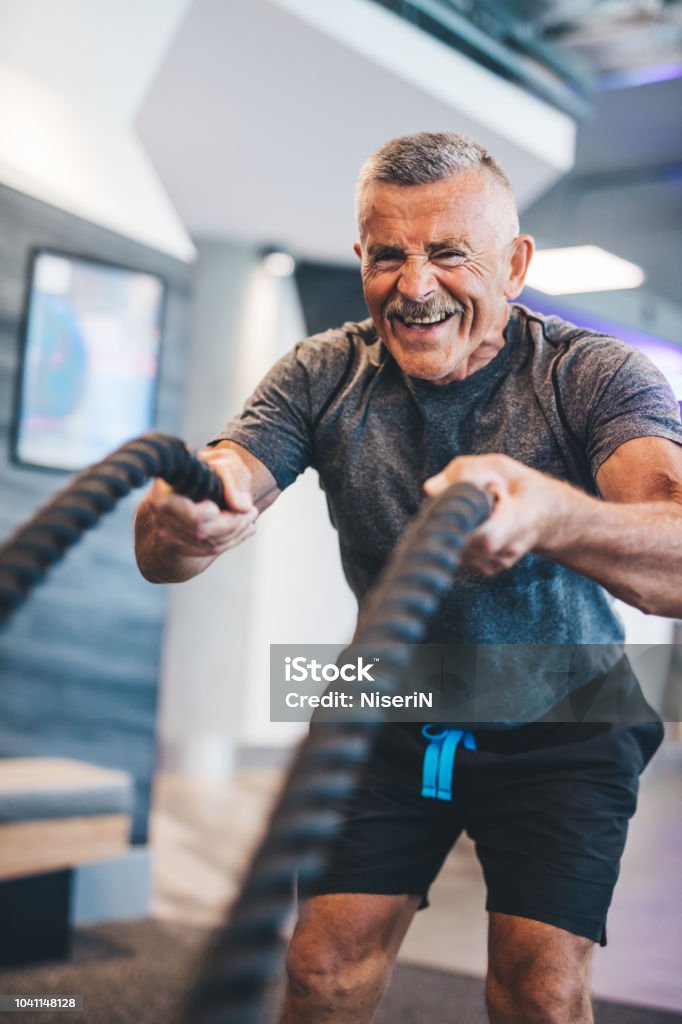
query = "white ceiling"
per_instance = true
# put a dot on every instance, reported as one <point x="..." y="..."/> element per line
<point x="258" y="121"/>
<point x="256" y="115"/>
<point x="72" y="74"/>
<point x="104" y="53"/>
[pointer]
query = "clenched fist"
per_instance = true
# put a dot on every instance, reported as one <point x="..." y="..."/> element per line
<point x="176" y="538"/>
<point x="530" y="509"/>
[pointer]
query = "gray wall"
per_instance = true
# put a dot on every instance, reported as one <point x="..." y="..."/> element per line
<point x="202" y="703"/>
<point x="79" y="663"/>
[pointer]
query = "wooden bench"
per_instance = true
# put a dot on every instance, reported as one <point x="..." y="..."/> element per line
<point x="55" y="814"/>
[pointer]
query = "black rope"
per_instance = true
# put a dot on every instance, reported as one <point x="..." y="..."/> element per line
<point x="247" y="954"/>
<point x="30" y="551"/>
<point x="233" y="983"/>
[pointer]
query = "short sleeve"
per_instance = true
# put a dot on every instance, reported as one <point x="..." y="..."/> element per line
<point x="613" y="393"/>
<point x="278" y="421"/>
<point x="274" y="424"/>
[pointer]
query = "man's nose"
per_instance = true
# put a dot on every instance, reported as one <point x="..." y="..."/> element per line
<point x="417" y="280"/>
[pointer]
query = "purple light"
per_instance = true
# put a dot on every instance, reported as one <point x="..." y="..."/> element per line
<point x="633" y="77"/>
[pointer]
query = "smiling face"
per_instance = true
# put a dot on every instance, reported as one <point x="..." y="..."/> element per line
<point x="439" y="262"/>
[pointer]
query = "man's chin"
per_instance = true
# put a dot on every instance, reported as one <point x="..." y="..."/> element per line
<point x="426" y="355"/>
<point x="423" y="367"/>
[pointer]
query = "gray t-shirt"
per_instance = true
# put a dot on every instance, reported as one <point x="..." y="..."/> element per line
<point x="556" y="397"/>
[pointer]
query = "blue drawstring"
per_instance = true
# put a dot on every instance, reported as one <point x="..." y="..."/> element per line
<point x="439" y="760"/>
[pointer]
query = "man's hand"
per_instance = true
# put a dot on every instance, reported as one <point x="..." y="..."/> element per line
<point x="196" y="529"/>
<point x="177" y="538"/>
<point x="529" y="510"/>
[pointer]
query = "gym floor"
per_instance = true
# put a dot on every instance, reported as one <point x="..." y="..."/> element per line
<point x="202" y="834"/>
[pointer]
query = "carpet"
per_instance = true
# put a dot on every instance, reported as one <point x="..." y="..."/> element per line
<point x="138" y="972"/>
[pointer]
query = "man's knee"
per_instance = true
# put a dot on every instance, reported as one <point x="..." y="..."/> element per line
<point x="343" y="948"/>
<point x="322" y="974"/>
<point x="537" y="974"/>
<point x="535" y="996"/>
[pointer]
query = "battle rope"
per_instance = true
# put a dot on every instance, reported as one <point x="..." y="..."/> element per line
<point x="246" y="954"/>
<point x="233" y="983"/>
<point x="34" y="548"/>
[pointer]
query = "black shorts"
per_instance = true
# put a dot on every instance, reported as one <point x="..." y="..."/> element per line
<point x="547" y="806"/>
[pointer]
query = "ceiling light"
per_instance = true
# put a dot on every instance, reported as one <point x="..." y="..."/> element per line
<point x="581" y="268"/>
<point x="279" y="263"/>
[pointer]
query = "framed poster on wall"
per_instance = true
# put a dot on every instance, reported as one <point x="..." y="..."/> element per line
<point x="90" y="359"/>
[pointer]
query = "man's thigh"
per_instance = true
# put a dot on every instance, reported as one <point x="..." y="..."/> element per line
<point x="391" y="841"/>
<point x="519" y="946"/>
<point x="549" y="817"/>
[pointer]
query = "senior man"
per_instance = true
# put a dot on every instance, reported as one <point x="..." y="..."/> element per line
<point x="578" y="438"/>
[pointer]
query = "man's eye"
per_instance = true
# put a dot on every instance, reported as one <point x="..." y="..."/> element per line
<point x="450" y="256"/>
<point x="389" y="258"/>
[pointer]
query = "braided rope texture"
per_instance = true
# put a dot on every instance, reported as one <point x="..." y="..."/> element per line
<point x="30" y="552"/>
<point x="234" y="983"/>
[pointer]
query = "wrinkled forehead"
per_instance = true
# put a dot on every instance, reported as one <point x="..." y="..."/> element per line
<point x="471" y="202"/>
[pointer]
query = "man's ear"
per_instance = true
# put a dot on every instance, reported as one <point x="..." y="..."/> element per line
<point x="357" y="249"/>
<point x="522" y="254"/>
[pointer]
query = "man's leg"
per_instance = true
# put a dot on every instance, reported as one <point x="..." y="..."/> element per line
<point x="341" y="954"/>
<point x="537" y="974"/>
<point x="548" y="808"/>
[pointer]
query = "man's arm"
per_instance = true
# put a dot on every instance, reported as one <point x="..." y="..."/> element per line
<point x="176" y="539"/>
<point x="631" y="542"/>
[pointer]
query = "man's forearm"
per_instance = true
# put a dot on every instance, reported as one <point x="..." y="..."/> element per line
<point x="633" y="550"/>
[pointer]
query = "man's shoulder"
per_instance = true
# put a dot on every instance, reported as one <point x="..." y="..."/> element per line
<point x="339" y="340"/>
<point x="570" y="346"/>
<point x="326" y="355"/>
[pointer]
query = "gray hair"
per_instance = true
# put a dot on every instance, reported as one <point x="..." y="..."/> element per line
<point x="428" y="157"/>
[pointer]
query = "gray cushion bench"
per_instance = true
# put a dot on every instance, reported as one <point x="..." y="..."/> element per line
<point x="55" y="814"/>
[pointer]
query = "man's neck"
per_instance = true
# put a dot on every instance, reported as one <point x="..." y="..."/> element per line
<point x="484" y="353"/>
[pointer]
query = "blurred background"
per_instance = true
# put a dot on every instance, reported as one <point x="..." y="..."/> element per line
<point x="176" y="211"/>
